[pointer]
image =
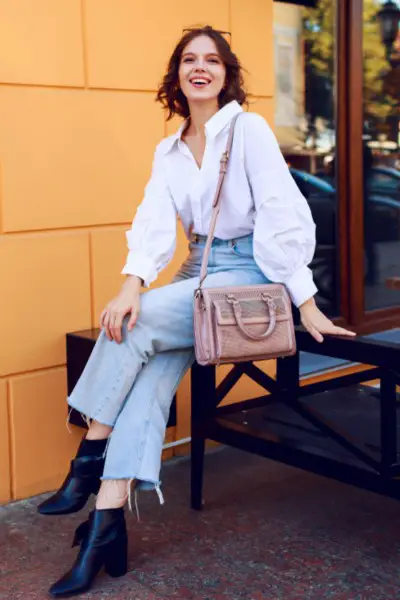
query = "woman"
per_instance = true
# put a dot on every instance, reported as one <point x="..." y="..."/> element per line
<point x="264" y="233"/>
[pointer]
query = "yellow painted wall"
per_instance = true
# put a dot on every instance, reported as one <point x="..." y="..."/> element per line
<point x="78" y="127"/>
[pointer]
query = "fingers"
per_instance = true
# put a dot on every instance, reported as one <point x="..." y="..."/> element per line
<point x="315" y="333"/>
<point x="132" y="320"/>
<point x="102" y="316"/>
<point x="116" y="329"/>
<point x="112" y="317"/>
<point x="330" y="330"/>
<point x="342" y="331"/>
<point x="115" y="326"/>
<point x="318" y="324"/>
<point x="106" y="325"/>
<point x="334" y="330"/>
<point x="112" y="323"/>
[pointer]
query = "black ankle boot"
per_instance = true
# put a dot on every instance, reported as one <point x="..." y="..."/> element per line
<point x="104" y="542"/>
<point x="82" y="480"/>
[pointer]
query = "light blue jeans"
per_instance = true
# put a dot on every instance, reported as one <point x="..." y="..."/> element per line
<point x="130" y="386"/>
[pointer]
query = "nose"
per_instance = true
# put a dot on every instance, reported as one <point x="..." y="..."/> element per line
<point x="200" y="64"/>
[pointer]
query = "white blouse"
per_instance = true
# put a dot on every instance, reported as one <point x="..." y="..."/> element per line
<point x="259" y="195"/>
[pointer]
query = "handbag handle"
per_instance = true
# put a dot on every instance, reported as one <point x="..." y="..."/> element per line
<point x="216" y="201"/>
<point x="237" y="311"/>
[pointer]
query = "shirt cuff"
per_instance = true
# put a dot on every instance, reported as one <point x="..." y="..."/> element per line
<point x="301" y="286"/>
<point x="142" y="266"/>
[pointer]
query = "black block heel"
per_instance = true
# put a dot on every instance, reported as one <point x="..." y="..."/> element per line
<point x="103" y="541"/>
<point x="116" y="562"/>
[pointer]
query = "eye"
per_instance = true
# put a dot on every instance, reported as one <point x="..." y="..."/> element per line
<point x="188" y="59"/>
<point x="214" y="60"/>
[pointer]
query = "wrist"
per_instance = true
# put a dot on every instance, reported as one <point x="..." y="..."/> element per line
<point x="307" y="303"/>
<point x="133" y="282"/>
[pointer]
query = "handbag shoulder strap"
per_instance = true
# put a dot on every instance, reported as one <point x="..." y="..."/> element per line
<point x="217" y="199"/>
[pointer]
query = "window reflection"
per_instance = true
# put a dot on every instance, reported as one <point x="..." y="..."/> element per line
<point x="381" y="159"/>
<point x="381" y="229"/>
<point x="305" y="125"/>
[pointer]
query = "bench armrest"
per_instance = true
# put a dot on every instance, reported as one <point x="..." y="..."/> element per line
<point x="356" y="349"/>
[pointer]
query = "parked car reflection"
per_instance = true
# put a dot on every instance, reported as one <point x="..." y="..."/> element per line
<point x="381" y="213"/>
<point x="384" y="181"/>
<point x="321" y="197"/>
<point x="380" y="179"/>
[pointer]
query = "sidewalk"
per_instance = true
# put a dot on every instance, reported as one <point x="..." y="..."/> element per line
<point x="268" y="532"/>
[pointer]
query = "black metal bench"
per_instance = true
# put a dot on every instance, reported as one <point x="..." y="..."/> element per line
<point x="79" y="347"/>
<point x="337" y="428"/>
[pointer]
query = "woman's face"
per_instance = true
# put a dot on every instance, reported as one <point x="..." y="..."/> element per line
<point x="201" y="72"/>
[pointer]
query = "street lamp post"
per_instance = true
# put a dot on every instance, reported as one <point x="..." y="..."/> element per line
<point x="389" y="18"/>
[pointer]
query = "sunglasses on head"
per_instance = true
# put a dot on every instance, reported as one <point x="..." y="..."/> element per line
<point x="225" y="34"/>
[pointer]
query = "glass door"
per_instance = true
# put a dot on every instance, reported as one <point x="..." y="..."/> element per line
<point x="381" y="152"/>
<point x="337" y="117"/>
<point x="306" y="127"/>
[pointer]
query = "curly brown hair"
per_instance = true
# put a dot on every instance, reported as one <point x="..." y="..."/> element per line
<point x="171" y="96"/>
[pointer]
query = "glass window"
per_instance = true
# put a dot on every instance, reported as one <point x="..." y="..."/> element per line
<point x="304" y="44"/>
<point x="381" y="158"/>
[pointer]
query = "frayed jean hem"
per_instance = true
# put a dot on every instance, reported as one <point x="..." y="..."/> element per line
<point x="141" y="485"/>
<point x="86" y="418"/>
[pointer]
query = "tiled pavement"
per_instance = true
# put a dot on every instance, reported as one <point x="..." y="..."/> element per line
<point x="267" y="532"/>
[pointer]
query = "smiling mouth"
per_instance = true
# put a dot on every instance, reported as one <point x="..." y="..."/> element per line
<point x="199" y="82"/>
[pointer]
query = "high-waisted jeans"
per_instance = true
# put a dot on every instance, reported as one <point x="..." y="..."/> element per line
<point x="130" y="386"/>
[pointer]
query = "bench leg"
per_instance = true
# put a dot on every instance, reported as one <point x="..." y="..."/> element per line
<point x="203" y="408"/>
<point x="197" y="470"/>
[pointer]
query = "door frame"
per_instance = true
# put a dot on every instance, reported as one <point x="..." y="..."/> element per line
<point x="349" y="99"/>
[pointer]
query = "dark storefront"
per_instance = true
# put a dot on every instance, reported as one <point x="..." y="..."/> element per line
<point x="337" y="121"/>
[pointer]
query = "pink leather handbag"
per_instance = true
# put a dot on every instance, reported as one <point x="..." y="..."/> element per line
<point x="241" y="323"/>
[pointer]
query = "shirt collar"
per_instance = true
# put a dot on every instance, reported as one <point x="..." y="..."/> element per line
<point x="214" y="126"/>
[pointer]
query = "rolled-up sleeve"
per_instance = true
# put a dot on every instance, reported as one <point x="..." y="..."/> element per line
<point x="152" y="237"/>
<point x="284" y="233"/>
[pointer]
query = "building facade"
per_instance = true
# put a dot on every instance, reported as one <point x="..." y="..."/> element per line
<point x="78" y="127"/>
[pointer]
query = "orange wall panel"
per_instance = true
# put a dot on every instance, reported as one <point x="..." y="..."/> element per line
<point x="41" y="42"/>
<point x="45" y="292"/>
<point x="5" y="485"/>
<point x="129" y="43"/>
<point x="263" y="106"/>
<point x="252" y="41"/>
<point x="109" y="251"/>
<point x="74" y="157"/>
<point x="41" y="444"/>
<point x="1" y="197"/>
<point x="173" y="125"/>
<point x="181" y="253"/>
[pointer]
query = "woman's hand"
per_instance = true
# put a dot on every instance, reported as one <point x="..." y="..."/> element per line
<point x="127" y="302"/>
<point x="317" y="323"/>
